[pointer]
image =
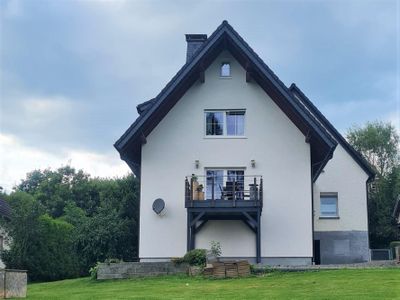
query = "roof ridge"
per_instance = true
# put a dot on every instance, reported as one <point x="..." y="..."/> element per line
<point x="324" y="121"/>
<point x="172" y="81"/>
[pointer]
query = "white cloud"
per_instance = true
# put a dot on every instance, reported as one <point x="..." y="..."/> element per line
<point x="16" y="159"/>
<point x="42" y="111"/>
<point x="394" y="118"/>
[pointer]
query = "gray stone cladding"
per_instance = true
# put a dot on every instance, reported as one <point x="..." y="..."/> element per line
<point x="138" y="269"/>
<point x="343" y="247"/>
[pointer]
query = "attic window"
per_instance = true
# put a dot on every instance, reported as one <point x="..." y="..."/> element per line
<point x="225" y="69"/>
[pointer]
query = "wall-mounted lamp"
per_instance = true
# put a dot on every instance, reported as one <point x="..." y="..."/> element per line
<point x="253" y="163"/>
<point x="197" y="163"/>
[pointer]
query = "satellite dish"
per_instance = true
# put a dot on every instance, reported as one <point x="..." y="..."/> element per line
<point x="159" y="207"/>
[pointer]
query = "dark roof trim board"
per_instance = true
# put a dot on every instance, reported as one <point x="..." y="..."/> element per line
<point x="332" y="130"/>
<point x="151" y="112"/>
<point x="142" y="107"/>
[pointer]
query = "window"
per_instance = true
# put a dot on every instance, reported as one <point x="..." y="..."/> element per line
<point x="329" y="205"/>
<point x="225" y="69"/>
<point x="214" y="123"/>
<point x="222" y="181"/>
<point x="235" y="123"/>
<point x="225" y="123"/>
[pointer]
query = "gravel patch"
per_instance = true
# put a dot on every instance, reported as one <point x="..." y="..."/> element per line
<point x="366" y="265"/>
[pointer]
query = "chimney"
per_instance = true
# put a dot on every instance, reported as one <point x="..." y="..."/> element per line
<point x="194" y="42"/>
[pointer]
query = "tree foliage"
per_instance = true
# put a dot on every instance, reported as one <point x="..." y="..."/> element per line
<point x="40" y="244"/>
<point x="379" y="144"/>
<point x="64" y="222"/>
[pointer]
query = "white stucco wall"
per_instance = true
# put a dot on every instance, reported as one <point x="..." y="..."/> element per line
<point x="344" y="176"/>
<point x="278" y="147"/>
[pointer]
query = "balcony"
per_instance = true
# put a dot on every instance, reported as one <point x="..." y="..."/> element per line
<point x="224" y="191"/>
<point x="224" y="197"/>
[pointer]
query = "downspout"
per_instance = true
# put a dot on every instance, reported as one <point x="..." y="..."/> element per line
<point x="312" y="213"/>
<point x="367" y="195"/>
<point x="369" y="180"/>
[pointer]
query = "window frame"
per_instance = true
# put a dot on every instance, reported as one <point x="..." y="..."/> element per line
<point x="225" y="126"/>
<point x="230" y="69"/>
<point x="329" y="194"/>
<point x="224" y="175"/>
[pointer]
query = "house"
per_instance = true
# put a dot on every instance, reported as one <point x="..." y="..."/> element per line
<point x="5" y="213"/>
<point x="226" y="152"/>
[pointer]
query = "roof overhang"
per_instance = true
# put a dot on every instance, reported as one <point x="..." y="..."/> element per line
<point x="360" y="160"/>
<point x="226" y="38"/>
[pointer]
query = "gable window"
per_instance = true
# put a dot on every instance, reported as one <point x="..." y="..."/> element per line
<point x="329" y="205"/>
<point x="225" y="69"/>
<point x="224" y="123"/>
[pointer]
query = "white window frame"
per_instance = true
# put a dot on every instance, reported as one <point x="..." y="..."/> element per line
<point x="224" y="174"/>
<point x="230" y="70"/>
<point x="224" y="129"/>
<point x="329" y="194"/>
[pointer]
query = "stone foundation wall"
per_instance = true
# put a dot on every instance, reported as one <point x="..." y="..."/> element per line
<point x="13" y="283"/>
<point x="343" y="247"/>
<point x="138" y="269"/>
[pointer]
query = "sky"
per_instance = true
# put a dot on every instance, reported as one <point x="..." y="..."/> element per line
<point x="72" y="72"/>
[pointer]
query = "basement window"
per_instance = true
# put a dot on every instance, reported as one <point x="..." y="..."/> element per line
<point x="225" y="69"/>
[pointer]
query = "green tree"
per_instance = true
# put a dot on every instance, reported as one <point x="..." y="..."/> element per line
<point x="97" y="218"/>
<point x="40" y="243"/>
<point x="112" y="232"/>
<point x="378" y="142"/>
<point x="55" y="189"/>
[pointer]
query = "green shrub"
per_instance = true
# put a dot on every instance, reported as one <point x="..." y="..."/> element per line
<point x="196" y="257"/>
<point x="257" y="270"/>
<point x="177" y="260"/>
<point x="40" y="244"/>
<point x="93" y="271"/>
<point x="216" y="249"/>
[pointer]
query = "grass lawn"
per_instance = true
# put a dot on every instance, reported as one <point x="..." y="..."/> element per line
<point x="327" y="284"/>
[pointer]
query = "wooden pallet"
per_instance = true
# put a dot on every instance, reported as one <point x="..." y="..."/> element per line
<point x="243" y="268"/>
<point x="219" y="270"/>
<point x="230" y="269"/>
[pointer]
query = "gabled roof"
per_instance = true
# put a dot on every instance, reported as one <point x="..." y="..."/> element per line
<point x="332" y="130"/>
<point x="225" y="38"/>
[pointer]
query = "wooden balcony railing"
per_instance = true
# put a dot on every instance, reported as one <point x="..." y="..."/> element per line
<point x="223" y="191"/>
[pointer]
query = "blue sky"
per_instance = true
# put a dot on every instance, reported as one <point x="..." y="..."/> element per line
<point x="72" y="72"/>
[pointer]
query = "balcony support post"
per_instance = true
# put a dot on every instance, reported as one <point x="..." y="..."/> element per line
<point x="188" y="232"/>
<point x="258" y="237"/>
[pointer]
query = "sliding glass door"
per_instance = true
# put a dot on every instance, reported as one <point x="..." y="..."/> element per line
<point x="225" y="182"/>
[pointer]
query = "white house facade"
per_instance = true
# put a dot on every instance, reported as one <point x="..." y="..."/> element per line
<point x="227" y="153"/>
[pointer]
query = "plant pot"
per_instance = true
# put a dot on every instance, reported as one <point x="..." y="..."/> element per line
<point x="195" y="195"/>
<point x="200" y="195"/>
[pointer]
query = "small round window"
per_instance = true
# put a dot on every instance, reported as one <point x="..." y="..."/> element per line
<point x="225" y="69"/>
